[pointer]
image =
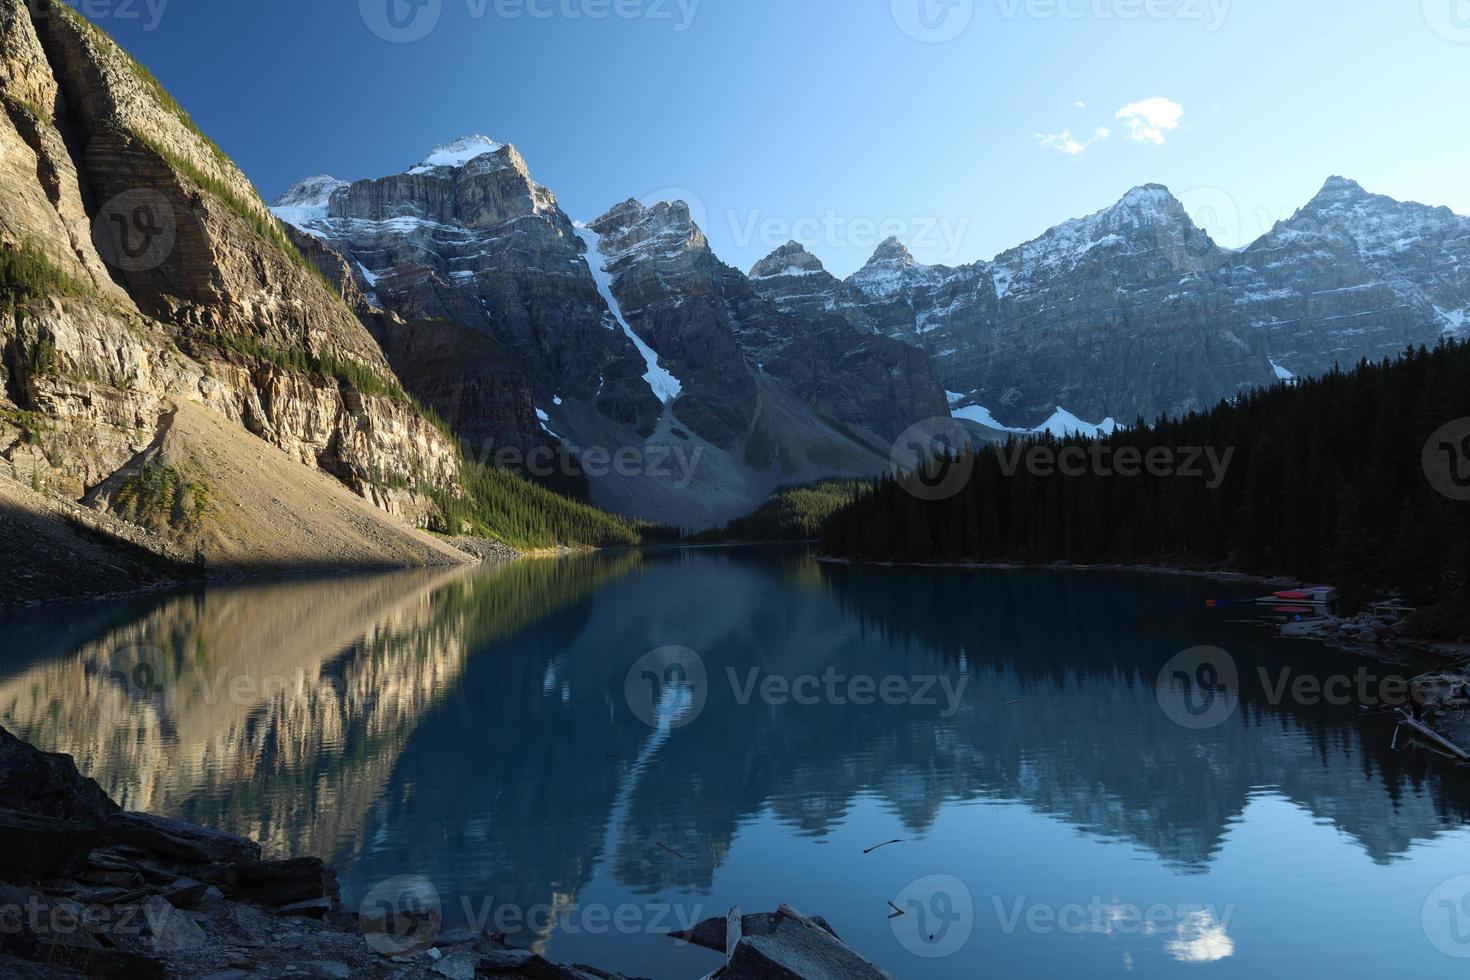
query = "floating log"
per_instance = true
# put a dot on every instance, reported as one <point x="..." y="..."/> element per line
<point x="1433" y="737"/>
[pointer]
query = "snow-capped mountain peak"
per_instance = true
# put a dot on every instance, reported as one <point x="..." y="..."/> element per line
<point x="892" y="250"/>
<point x="1145" y="204"/>
<point x="891" y="271"/>
<point x="791" y="259"/>
<point x="1338" y="186"/>
<point x="457" y="153"/>
<point x="634" y="230"/>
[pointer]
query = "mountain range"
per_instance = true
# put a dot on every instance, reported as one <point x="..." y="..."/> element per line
<point x="181" y="368"/>
<point x="624" y="331"/>
<point x="1135" y="312"/>
<point x="629" y="330"/>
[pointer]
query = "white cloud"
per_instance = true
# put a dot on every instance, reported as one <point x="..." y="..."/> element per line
<point x="1080" y="105"/>
<point x="1148" y="121"/>
<point x="1065" y="142"/>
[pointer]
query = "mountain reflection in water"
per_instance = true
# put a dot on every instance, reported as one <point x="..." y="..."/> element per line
<point x="471" y="727"/>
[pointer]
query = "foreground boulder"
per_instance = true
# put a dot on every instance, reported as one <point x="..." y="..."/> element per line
<point x="780" y="945"/>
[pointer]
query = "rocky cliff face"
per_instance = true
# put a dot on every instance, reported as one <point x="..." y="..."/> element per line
<point x="628" y="332"/>
<point x="144" y="271"/>
<point x="1353" y="275"/>
<point x="1135" y="311"/>
<point x="466" y="237"/>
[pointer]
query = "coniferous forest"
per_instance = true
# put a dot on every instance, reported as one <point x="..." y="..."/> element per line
<point x="1326" y="481"/>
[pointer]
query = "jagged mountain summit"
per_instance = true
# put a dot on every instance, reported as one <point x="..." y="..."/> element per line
<point x="1134" y="311"/>
<point x="467" y="237"/>
<point x="628" y="332"/>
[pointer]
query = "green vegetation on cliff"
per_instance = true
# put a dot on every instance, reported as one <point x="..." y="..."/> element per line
<point x="28" y="274"/>
<point x="161" y="497"/>
<point x="791" y="514"/>
<point x="504" y="505"/>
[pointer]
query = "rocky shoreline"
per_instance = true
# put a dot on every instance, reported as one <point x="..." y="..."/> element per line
<point x="88" y="890"/>
<point x="1364" y="634"/>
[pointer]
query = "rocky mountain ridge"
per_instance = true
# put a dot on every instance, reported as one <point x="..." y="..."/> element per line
<point x="1135" y="311"/>
<point x="629" y="333"/>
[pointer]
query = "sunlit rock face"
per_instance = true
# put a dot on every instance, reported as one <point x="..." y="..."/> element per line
<point x="210" y="306"/>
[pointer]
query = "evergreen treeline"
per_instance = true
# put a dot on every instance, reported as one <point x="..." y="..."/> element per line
<point x="791" y="514"/>
<point x="502" y="504"/>
<point x="1326" y="482"/>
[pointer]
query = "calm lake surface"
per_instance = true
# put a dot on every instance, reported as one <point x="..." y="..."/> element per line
<point x="484" y="737"/>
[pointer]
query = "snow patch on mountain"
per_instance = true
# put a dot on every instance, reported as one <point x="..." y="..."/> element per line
<point x="1063" y="423"/>
<point x="458" y="153"/>
<point x="664" y="385"/>
<point x="1282" y="374"/>
<point x="1455" y="321"/>
<point x="980" y="415"/>
<point x="307" y="202"/>
<point x="545" y="421"/>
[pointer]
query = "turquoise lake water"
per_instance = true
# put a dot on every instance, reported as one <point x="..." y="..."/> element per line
<point x="588" y="752"/>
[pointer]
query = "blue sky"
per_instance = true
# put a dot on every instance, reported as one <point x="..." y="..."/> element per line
<point x="962" y="126"/>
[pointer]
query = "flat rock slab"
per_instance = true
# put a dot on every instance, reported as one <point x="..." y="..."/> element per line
<point x="795" y="952"/>
<point x="179" y="840"/>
